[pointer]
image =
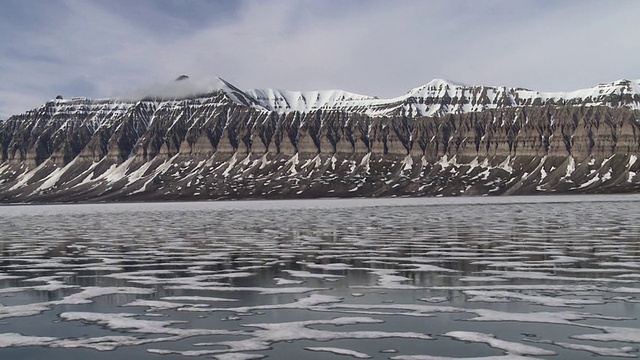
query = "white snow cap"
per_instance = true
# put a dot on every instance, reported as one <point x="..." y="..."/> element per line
<point x="436" y="98"/>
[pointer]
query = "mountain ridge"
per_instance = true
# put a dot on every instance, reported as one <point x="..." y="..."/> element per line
<point x="221" y="142"/>
<point x="284" y="101"/>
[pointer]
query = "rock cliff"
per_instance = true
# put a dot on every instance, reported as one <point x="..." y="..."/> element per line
<point x="221" y="142"/>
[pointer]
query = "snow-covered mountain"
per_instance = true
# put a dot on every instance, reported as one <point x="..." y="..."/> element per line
<point x="210" y="139"/>
<point x="440" y="97"/>
<point x="436" y="98"/>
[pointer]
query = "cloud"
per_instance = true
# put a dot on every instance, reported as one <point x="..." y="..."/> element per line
<point x="383" y="48"/>
<point x="177" y="89"/>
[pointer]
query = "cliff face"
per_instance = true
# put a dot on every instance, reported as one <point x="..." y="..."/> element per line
<point x="440" y="139"/>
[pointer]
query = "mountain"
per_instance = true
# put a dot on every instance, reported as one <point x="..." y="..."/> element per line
<point x="193" y="139"/>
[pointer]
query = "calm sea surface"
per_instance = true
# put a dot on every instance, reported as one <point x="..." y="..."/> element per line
<point x="553" y="277"/>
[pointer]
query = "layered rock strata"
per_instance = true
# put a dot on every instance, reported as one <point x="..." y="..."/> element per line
<point x="229" y="144"/>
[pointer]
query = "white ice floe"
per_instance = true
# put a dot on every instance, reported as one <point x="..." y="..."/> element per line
<point x="598" y="350"/>
<point x="435" y="299"/>
<point x="18" y="340"/>
<point x="100" y="343"/>
<point x="269" y="333"/>
<point x="239" y="356"/>
<point x="508" y="296"/>
<point x="508" y="346"/>
<point x="481" y="279"/>
<point x="626" y="290"/>
<point x="197" y="298"/>
<point x="260" y="290"/>
<point x="339" y="351"/>
<point x="9" y="277"/>
<point x="23" y="310"/>
<point x="560" y="317"/>
<point x="309" y="275"/>
<point x="157" y="304"/>
<point x="612" y="333"/>
<point x="387" y="279"/>
<point x="88" y="293"/>
<point x="306" y="303"/>
<point x="130" y="322"/>
<point x="523" y="287"/>
<point x="414" y="310"/>
<point x="281" y="281"/>
<point x="426" y="268"/>
<point x="327" y="267"/>
<point x="429" y="357"/>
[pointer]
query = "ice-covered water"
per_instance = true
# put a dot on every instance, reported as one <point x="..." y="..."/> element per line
<point x="483" y="278"/>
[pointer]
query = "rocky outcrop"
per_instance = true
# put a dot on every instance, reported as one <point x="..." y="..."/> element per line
<point x="440" y="139"/>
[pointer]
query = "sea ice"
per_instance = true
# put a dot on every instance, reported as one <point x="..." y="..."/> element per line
<point x="338" y="351"/>
<point x="510" y="347"/>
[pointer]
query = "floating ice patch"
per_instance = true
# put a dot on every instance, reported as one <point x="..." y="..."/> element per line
<point x="308" y="303"/>
<point x="10" y="277"/>
<point x="156" y="304"/>
<point x="481" y="279"/>
<point x="387" y="279"/>
<point x="626" y="290"/>
<point x="563" y="318"/>
<point x="130" y="322"/>
<point x="428" y="357"/>
<point x="280" y="281"/>
<point x="327" y="267"/>
<point x="23" y="310"/>
<point x="426" y="268"/>
<point x="239" y="356"/>
<point x="269" y="333"/>
<point x="414" y="310"/>
<point x="612" y="333"/>
<point x="435" y="299"/>
<point x="598" y="350"/>
<point x="88" y="293"/>
<point x="490" y="339"/>
<point x="101" y="343"/>
<point x="508" y="296"/>
<point x="308" y="275"/>
<point x="19" y="340"/>
<point x="339" y="351"/>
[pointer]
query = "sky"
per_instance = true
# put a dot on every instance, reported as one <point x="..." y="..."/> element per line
<point x="106" y="48"/>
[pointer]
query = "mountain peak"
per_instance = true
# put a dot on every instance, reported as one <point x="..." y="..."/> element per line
<point x="443" y="82"/>
<point x="436" y="84"/>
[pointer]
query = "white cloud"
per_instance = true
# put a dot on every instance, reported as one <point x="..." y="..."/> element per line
<point x="380" y="48"/>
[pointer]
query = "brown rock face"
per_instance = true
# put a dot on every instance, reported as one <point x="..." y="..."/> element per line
<point x="212" y="147"/>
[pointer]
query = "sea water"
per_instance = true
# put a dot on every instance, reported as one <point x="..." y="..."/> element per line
<point x="496" y="278"/>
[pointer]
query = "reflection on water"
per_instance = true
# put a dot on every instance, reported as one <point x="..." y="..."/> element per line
<point x="380" y="279"/>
